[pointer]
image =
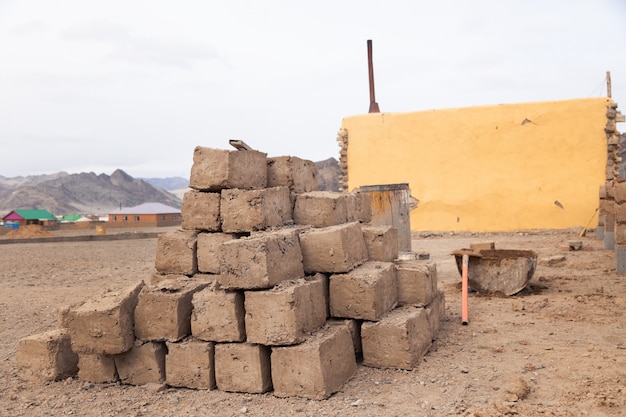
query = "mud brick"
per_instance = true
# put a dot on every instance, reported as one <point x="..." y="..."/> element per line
<point x="602" y="191"/>
<point x="321" y="208"/>
<point x="417" y="282"/>
<point x="436" y="312"/>
<point x="143" y="364"/>
<point x="164" y="310"/>
<point x="156" y="278"/>
<point x="478" y="246"/>
<point x="316" y="368"/>
<point x="249" y="210"/>
<point x="620" y="213"/>
<point x="366" y="292"/>
<point x="399" y="340"/>
<point x="607" y="206"/>
<point x="176" y="252"/>
<point x="333" y="249"/>
<point x="261" y="261"/>
<point x="620" y="234"/>
<point x="359" y="207"/>
<point x="298" y="174"/>
<point x="190" y="364"/>
<point x="381" y="242"/>
<point x="218" y="315"/>
<point x="355" y="331"/>
<point x="105" y="324"/>
<point x="243" y="367"/>
<point x="96" y="368"/>
<point x="218" y="169"/>
<point x="46" y="357"/>
<point x="210" y="249"/>
<point x="610" y="191"/>
<point x="201" y="211"/>
<point x="287" y="313"/>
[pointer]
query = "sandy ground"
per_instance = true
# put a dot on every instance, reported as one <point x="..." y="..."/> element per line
<point x="556" y="349"/>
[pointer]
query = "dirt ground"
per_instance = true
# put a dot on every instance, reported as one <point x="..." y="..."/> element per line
<point x="556" y="349"/>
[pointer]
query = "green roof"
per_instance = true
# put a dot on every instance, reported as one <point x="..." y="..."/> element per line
<point x="71" y="217"/>
<point x="36" y="214"/>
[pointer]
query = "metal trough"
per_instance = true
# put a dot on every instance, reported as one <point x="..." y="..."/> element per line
<point x="501" y="272"/>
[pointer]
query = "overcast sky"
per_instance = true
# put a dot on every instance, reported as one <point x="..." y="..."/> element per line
<point x="91" y="85"/>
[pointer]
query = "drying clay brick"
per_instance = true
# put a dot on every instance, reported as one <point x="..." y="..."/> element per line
<point x="287" y="313"/>
<point x="381" y="242"/>
<point x="436" y="312"/>
<point x="190" y="364"/>
<point x="164" y="310"/>
<point x="201" y="211"/>
<point x="176" y="252"/>
<point x="218" y="169"/>
<point x="359" y="207"/>
<point x="46" y="357"/>
<point x="96" y="368"/>
<point x="243" y="367"/>
<point x="250" y="210"/>
<point x="104" y="325"/>
<point x="321" y="208"/>
<point x="316" y="368"/>
<point x="398" y="340"/>
<point x="143" y="364"/>
<point x="299" y="175"/>
<point x="333" y="249"/>
<point x="210" y="249"/>
<point x="417" y="282"/>
<point x="218" y="315"/>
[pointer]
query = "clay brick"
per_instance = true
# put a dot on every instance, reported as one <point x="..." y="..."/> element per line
<point x="436" y="313"/>
<point x="249" y="210"/>
<point x="201" y="211"/>
<point x="287" y="313"/>
<point x="316" y="368"/>
<point x="176" y="252"/>
<point x="164" y="310"/>
<point x="381" y="242"/>
<point x="607" y="206"/>
<point x="359" y="207"/>
<point x="46" y="357"/>
<point x="620" y="234"/>
<point x="321" y="208"/>
<point x="366" y="292"/>
<point x="610" y="192"/>
<point x="478" y="246"/>
<point x="143" y="364"/>
<point x="157" y="278"/>
<point x="398" y="340"/>
<point x="190" y="364"/>
<point x="417" y="282"/>
<point x="104" y="325"/>
<point x="243" y="367"/>
<point x="96" y="368"/>
<point x="355" y="331"/>
<point x="218" y="169"/>
<point x="210" y="250"/>
<point x="298" y="174"/>
<point x="218" y="315"/>
<point x="602" y="191"/>
<point x="261" y="261"/>
<point x="620" y="213"/>
<point x="333" y="249"/>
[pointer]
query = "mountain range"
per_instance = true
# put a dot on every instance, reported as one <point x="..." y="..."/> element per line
<point x="89" y="193"/>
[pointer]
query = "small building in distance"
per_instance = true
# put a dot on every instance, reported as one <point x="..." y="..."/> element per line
<point x="26" y="217"/>
<point x="145" y="215"/>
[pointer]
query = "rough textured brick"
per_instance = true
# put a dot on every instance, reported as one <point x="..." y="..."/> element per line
<point x="398" y="340"/>
<point x="333" y="249"/>
<point x="46" y="357"/>
<point x="218" y="169"/>
<point x="190" y="364"/>
<point x="201" y="211"/>
<point x="96" y="368"/>
<point x="620" y="234"/>
<point x="620" y="213"/>
<point x="478" y="246"/>
<point x="249" y="210"/>
<point x="261" y="261"/>
<point x="321" y="208"/>
<point x="417" y="282"/>
<point x="287" y="313"/>
<point x="359" y="207"/>
<point x="367" y="292"/>
<point x="381" y="242"/>
<point x="105" y="324"/>
<point x="164" y="310"/>
<point x="143" y="364"/>
<point x="176" y="252"/>
<point x="316" y="368"/>
<point x="289" y="171"/>
<point x="210" y="251"/>
<point x="218" y="315"/>
<point x="436" y="312"/>
<point x="242" y="367"/>
<point x="355" y="331"/>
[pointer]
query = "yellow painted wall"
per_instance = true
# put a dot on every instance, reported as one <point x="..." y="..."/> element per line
<point x="488" y="168"/>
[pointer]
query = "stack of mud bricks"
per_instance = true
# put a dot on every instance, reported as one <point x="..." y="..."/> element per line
<point x="606" y="217"/>
<point x="619" y="221"/>
<point x="268" y="285"/>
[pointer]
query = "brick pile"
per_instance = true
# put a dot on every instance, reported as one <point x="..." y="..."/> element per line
<point x="268" y="285"/>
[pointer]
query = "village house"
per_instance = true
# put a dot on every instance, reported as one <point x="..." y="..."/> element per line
<point x="145" y="215"/>
<point x="26" y="217"/>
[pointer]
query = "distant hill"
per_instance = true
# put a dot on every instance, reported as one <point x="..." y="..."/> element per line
<point x="169" y="183"/>
<point x="84" y="193"/>
<point x="328" y="175"/>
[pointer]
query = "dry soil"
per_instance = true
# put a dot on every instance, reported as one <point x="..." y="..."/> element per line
<point x="556" y="349"/>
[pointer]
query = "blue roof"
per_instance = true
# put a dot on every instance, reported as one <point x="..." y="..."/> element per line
<point x="147" y="208"/>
